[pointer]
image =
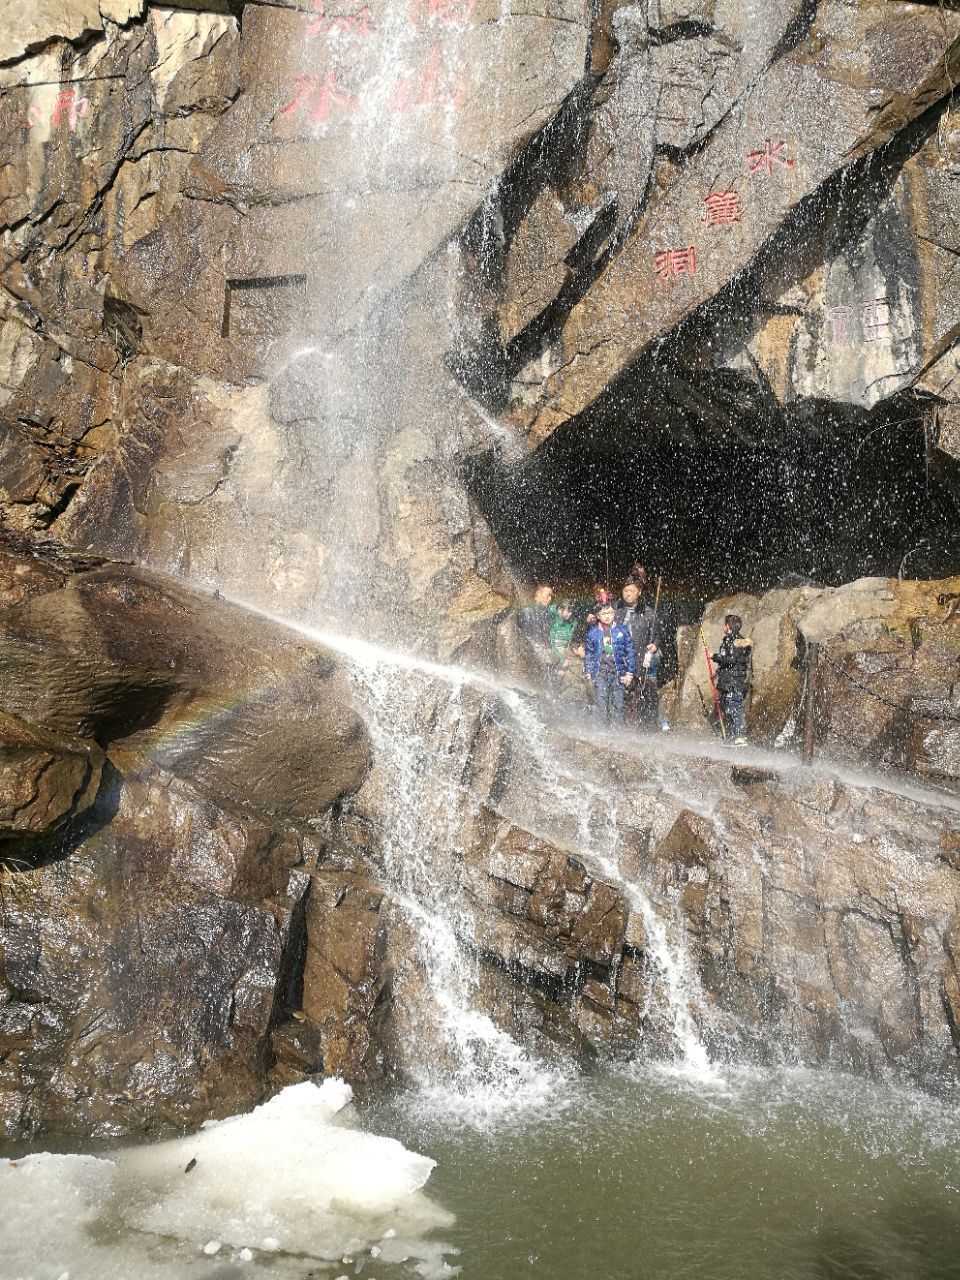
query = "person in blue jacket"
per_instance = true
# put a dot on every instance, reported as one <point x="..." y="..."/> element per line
<point x="610" y="663"/>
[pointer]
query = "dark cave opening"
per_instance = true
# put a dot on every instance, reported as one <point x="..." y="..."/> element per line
<point x="741" y="500"/>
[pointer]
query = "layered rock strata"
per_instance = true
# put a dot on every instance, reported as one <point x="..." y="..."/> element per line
<point x="626" y="899"/>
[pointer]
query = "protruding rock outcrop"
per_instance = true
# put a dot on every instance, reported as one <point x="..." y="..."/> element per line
<point x="166" y="763"/>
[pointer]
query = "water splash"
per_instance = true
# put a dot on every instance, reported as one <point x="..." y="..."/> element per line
<point x="420" y="734"/>
<point x="599" y="841"/>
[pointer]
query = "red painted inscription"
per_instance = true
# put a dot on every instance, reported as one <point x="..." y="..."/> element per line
<point x="765" y="161"/>
<point x="316" y="95"/>
<point x="441" y="10"/>
<point x="436" y="88"/>
<point x="676" y="262"/>
<point x="875" y="318"/>
<point x="840" y="318"/>
<point x="721" y="207"/>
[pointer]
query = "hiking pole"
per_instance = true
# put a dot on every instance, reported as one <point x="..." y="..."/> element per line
<point x="713" y="683"/>
<point x="653" y="626"/>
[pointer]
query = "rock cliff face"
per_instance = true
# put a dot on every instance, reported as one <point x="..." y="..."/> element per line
<point x="353" y="311"/>
<point x="165" y="767"/>
<point x="621" y="898"/>
<point x="717" y="228"/>
<point x="887" y="679"/>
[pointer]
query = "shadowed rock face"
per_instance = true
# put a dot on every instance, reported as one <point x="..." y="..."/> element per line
<point x="158" y="857"/>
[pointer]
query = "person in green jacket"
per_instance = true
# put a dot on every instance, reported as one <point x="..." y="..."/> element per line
<point x="564" y="672"/>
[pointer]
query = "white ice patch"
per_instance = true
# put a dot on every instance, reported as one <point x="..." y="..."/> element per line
<point x="292" y="1179"/>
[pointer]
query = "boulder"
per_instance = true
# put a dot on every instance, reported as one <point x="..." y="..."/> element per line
<point x="142" y="966"/>
<point x="44" y="779"/>
<point x="799" y="101"/>
<point x="247" y="711"/>
<point x="887" y="675"/>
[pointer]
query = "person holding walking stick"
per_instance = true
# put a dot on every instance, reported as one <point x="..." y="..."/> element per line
<point x="733" y="667"/>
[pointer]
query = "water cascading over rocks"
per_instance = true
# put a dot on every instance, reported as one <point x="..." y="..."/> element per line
<point x="296" y="299"/>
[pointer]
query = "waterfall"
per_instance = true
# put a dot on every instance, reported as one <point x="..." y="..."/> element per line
<point x="393" y="93"/>
<point x="599" y="843"/>
<point x="417" y="726"/>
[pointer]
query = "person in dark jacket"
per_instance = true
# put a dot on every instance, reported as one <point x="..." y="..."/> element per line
<point x="535" y="620"/>
<point x="732" y="661"/>
<point x="642" y="701"/>
<point x="610" y="664"/>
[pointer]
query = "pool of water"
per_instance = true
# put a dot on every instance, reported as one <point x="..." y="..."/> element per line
<point x="794" y="1176"/>
<point x="640" y="1175"/>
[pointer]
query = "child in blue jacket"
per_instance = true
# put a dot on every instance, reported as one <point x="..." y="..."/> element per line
<point x="610" y="663"/>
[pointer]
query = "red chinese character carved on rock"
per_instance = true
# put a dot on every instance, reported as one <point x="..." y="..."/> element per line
<point x="67" y="106"/>
<point x="322" y="93"/>
<point x="875" y="317"/>
<point x="840" y="318"/>
<point x="721" y="207"/>
<point x="436" y="89"/>
<point x="676" y="262"/>
<point x="764" y="161"/>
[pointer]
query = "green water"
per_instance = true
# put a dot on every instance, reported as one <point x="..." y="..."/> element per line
<point x="799" y="1176"/>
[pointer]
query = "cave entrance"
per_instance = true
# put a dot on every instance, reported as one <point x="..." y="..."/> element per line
<point x="729" y="497"/>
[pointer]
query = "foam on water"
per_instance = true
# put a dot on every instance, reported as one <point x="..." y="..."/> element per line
<point x="294" y="1179"/>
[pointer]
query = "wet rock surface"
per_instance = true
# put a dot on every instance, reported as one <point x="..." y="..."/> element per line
<point x="157" y="859"/>
<point x="801" y="916"/>
<point x="44" y="780"/>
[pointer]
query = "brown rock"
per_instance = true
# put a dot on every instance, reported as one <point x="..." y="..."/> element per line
<point x="347" y="980"/>
<point x="139" y="979"/>
<point x="44" y="780"/>
<point x="118" y="654"/>
<point x="598" y="930"/>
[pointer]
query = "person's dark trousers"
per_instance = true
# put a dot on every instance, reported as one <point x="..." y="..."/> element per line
<point x="608" y="694"/>
<point x="632" y="707"/>
<point x="648" y="702"/>
<point x="733" y="714"/>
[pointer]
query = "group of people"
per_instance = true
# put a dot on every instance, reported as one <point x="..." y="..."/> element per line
<point x="614" y="651"/>
<point x="615" y="647"/>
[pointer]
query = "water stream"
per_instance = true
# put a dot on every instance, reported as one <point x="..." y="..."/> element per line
<point x="414" y="710"/>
